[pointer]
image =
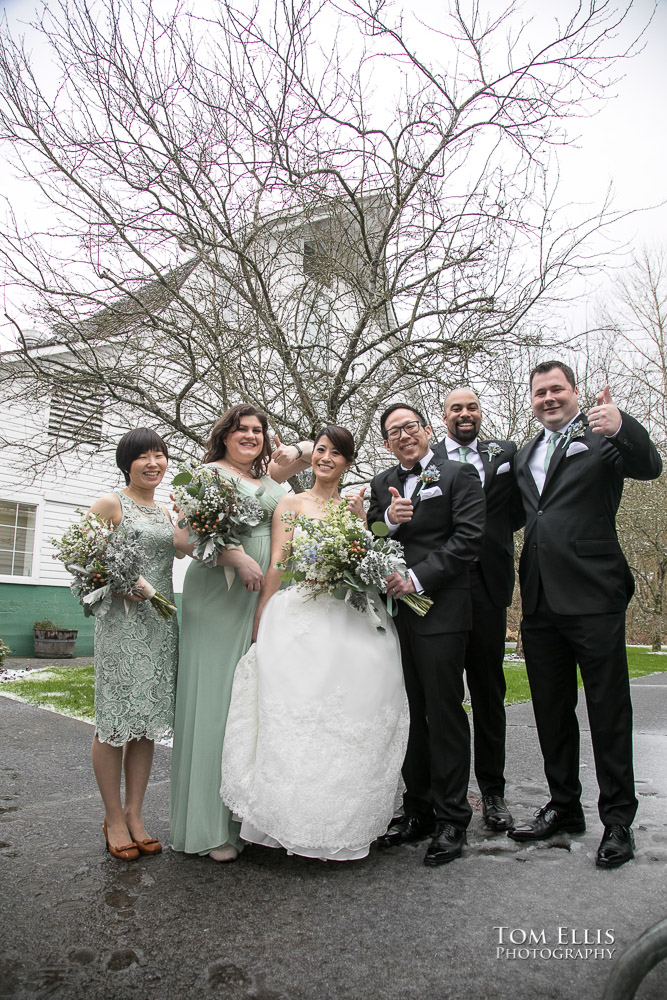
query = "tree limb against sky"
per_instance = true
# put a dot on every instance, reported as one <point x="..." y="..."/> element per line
<point x="315" y="207"/>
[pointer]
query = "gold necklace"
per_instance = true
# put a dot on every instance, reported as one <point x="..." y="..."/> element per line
<point x="241" y="472"/>
<point x="318" y="501"/>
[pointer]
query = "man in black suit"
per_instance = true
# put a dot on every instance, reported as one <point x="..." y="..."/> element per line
<point x="435" y="508"/>
<point x="575" y="587"/>
<point x="491" y="587"/>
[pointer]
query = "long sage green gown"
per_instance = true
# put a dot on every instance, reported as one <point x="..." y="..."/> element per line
<point x="136" y="650"/>
<point x="216" y="630"/>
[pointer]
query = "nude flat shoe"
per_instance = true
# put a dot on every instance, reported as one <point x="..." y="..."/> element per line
<point x="129" y="852"/>
<point x="224" y="853"/>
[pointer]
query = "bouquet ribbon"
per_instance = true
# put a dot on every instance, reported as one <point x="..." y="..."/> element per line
<point x="229" y="570"/>
<point x="147" y="588"/>
<point x="369" y="609"/>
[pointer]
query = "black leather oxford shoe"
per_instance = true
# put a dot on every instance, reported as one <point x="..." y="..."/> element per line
<point x="496" y="814"/>
<point x="547" y="822"/>
<point x="447" y="845"/>
<point x="616" y="847"/>
<point x="406" y="830"/>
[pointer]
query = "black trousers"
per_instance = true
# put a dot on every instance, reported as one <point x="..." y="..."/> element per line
<point x="486" y="682"/>
<point x="437" y="762"/>
<point x="553" y="645"/>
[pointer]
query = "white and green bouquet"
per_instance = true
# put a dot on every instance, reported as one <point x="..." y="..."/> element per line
<point x="338" y="555"/>
<point x="215" y="511"/>
<point x="106" y="561"/>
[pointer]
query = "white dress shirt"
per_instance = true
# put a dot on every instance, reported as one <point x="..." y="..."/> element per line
<point x="409" y="486"/>
<point x="472" y="458"/>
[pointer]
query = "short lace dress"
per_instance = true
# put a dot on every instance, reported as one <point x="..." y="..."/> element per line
<point x="136" y="654"/>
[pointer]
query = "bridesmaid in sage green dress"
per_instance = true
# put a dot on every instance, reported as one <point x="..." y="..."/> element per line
<point x="216" y="630"/>
<point x="135" y="652"/>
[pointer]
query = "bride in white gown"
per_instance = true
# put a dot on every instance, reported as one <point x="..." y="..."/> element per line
<point x="318" y="722"/>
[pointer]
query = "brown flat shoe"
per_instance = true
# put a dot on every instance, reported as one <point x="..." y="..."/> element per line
<point x="129" y="852"/>
<point x="150" y="846"/>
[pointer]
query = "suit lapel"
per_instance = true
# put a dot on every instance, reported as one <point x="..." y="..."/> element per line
<point x="490" y="465"/>
<point x="560" y="451"/>
<point x="523" y="459"/>
<point x="437" y="461"/>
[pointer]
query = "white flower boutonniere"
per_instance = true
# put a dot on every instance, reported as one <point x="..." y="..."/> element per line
<point x="431" y="474"/>
<point x="493" y="449"/>
<point x="575" y="430"/>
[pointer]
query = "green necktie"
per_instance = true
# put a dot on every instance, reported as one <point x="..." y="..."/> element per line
<point x="463" y="453"/>
<point x="551" y="447"/>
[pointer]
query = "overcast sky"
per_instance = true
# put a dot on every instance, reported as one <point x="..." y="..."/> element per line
<point x="624" y="146"/>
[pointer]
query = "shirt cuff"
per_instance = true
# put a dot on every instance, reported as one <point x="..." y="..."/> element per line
<point x="393" y="528"/>
<point x="418" y="586"/>
<point x="616" y="432"/>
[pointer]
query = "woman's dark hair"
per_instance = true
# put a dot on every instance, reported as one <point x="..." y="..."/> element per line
<point x="135" y="443"/>
<point x="341" y="439"/>
<point x="231" y="421"/>
<point x="398" y="406"/>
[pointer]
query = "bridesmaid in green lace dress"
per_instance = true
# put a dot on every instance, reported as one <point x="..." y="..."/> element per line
<point x="135" y="653"/>
<point x="216" y="630"/>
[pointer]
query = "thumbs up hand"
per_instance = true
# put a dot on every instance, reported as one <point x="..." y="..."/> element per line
<point x="355" y="503"/>
<point x="605" y="417"/>
<point x="285" y="454"/>
<point x="400" y="509"/>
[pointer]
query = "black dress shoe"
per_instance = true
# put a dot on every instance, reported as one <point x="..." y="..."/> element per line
<point x="496" y="814"/>
<point x="406" y="830"/>
<point x="447" y="845"/>
<point x="616" y="847"/>
<point x="547" y="822"/>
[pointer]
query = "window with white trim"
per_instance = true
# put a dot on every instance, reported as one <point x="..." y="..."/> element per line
<point x="17" y="538"/>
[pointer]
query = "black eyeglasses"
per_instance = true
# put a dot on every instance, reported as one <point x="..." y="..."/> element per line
<point x="411" y="429"/>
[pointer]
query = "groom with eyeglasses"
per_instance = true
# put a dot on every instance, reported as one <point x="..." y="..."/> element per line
<point x="436" y="510"/>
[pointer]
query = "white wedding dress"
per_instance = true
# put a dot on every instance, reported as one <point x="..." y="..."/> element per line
<point x="317" y="729"/>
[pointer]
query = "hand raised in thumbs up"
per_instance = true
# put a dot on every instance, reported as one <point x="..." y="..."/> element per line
<point x="285" y="454"/>
<point x="605" y="416"/>
<point x="355" y="503"/>
<point x="400" y="509"/>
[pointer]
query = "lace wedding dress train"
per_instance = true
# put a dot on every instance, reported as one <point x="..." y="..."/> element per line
<point x="317" y="729"/>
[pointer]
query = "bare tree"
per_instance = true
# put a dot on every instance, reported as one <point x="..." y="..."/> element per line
<point x="642" y="526"/>
<point x="244" y="212"/>
<point x="635" y="325"/>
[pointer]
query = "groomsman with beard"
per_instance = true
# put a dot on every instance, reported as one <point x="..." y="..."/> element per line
<point x="491" y="587"/>
<point x="435" y="508"/>
<point x="575" y="587"/>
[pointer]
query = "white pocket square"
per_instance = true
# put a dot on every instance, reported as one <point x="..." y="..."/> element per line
<point x="575" y="448"/>
<point x="432" y="491"/>
<point x="505" y="467"/>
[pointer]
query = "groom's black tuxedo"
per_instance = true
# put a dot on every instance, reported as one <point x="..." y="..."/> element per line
<point x="492" y="587"/>
<point x="575" y="587"/>
<point x="440" y="542"/>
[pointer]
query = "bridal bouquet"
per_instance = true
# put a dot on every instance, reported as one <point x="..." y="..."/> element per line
<point x="105" y="561"/>
<point x="215" y="511"/>
<point x="338" y="555"/>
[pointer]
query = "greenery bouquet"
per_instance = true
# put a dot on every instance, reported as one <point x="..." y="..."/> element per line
<point x="337" y="555"/>
<point x="105" y="561"/>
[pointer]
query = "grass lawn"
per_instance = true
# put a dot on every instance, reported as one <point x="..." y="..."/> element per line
<point x="69" y="689"/>
<point x="64" y="688"/>
<point x="640" y="663"/>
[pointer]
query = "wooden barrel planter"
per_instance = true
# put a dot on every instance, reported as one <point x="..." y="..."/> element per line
<point x="54" y="643"/>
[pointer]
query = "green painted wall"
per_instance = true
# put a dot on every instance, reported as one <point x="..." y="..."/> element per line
<point x="22" y="604"/>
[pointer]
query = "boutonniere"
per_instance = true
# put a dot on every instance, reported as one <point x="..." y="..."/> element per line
<point x="493" y="449"/>
<point x="431" y="474"/>
<point x="575" y="430"/>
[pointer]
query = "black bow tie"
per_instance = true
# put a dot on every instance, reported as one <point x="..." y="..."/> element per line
<point x="404" y="473"/>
